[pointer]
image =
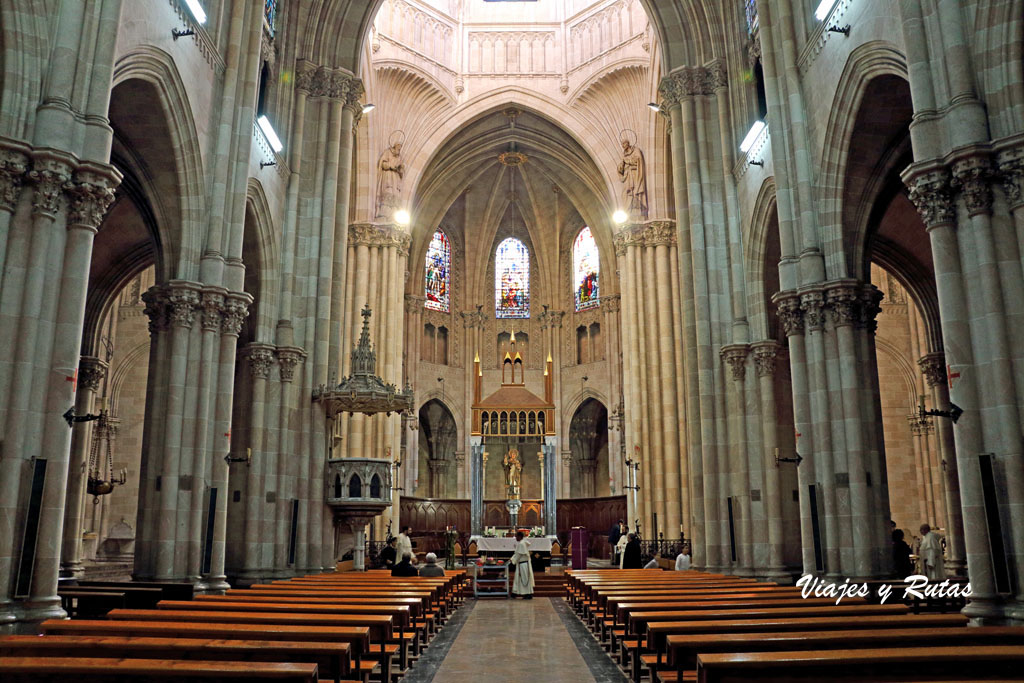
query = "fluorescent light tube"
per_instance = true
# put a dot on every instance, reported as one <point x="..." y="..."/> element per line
<point x="197" y="10"/>
<point x="268" y="131"/>
<point x="823" y="9"/>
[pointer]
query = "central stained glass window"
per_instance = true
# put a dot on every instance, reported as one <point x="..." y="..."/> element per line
<point x="438" y="273"/>
<point x="585" y="267"/>
<point x="512" y="280"/>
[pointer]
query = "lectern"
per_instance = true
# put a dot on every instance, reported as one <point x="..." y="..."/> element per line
<point x="580" y="539"/>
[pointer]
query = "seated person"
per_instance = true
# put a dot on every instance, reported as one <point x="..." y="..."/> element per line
<point x="653" y="564"/>
<point x="389" y="555"/>
<point x="430" y="567"/>
<point x="405" y="568"/>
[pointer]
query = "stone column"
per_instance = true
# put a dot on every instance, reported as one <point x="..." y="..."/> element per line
<point x="933" y="367"/>
<point x="735" y="355"/>
<point x="91" y="373"/>
<point x="765" y="354"/>
<point x="288" y="358"/>
<point x="476" y="501"/>
<point x="261" y="359"/>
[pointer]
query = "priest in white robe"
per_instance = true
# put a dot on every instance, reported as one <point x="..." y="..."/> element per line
<point x="930" y="554"/>
<point x="523" y="584"/>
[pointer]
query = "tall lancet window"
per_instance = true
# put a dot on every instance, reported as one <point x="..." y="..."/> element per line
<point x="752" y="24"/>
<point x="439" y="272"/>
<point x="512" y="280"/>
<point x="585" y="267"/>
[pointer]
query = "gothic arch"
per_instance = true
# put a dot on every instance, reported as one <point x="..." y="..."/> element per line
<point x="579" y="398"/>
<point x="265" y="243"/>
<point x="156" y="69"/>
<point x="757" y="245"/>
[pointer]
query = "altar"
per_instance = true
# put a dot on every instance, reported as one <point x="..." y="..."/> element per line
<point x="492" y="544"/>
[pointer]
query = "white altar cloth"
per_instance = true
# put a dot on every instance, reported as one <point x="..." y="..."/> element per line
<point x="486" y="544"/>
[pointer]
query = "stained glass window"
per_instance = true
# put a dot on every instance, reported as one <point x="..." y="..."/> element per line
<point x="270" y="14"/>
<point x="512" y="280"/>
<point x="585" y="268"/>
<point x="439" y="272"/>
<point x="751" y="6"/>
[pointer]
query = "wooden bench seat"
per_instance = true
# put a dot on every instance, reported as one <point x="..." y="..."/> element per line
<point x="78" y="603"/>
<point x="135" y="597"/>
<point x="913" y="664"/>
<point x="331" y="658"/>
<point x="99" y="670"/>
<point x="169" y="590"/>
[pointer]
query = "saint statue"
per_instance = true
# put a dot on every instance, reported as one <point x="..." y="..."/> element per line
<point x="633" y="175"/>
<point x="513" y="473"/>
<point x="390" y="171"/>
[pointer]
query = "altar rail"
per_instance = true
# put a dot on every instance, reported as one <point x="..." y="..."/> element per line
<point x="429" y="517"/>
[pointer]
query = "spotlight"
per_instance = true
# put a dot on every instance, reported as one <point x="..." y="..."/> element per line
<point x="620" y="216"/>
<point x="268" y="131"/>
<point x="402" y="217"/>
<point x="823" y="9"/>
<point x="197" y="11"/>
<point x="654" y="106"/>
<point x="368" y="107"/>
<point x="752" y="135"/>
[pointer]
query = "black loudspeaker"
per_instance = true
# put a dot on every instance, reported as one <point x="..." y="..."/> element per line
<point x="211" y="515"/>
<point x="819" y="556"/>
<point x="293" y="534"/>
<point x="732" y="530"/>
<point x="1000" y="568"/>
<point x="23" y="586"/>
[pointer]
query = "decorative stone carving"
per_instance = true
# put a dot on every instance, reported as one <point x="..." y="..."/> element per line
<point x="870" y="306"/>
<point x="765" y="353"/>
<point x="611" y="304"/>
<point x="714" y="77"/>
<point x="236" y="309"/>
<point x="13" y="166"/>
<point x="633" y="176"/>
<point x="390" y="172"/>
<point x="156" y="309"/>
<point x="1010" y="161"/>
<point x="933" y="367"/>
<point x="49" y="176"/>
<point x="90" y="196"/>
<point x="261" y="359"/>
<point x="183" y="300"/>
<point x="213" y="309"/>
<point x="287" y="358"/>
<point x="930" y="193"/>
<point x="374" y="235"/>
<point x="791" y="316"/>
<point x="843" y="303"/>
<point x="972" y="176"/>
<point x="813" y="305"/>
<point x="736" y="356"/>
<point x="91" y="371"/>
<point x="650" y="234"/>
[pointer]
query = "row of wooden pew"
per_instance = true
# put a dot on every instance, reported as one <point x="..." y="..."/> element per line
<point x="712" y="628"/>
<point x="345" y="627"/>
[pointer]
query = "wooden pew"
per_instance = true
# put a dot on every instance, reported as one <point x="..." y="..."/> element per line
<point x="169" y="590"/>
<point x="357" y="637"/>
<point x="914" y="664"/>
<point x="684" y="649"/>
<point x="135" y="597"/>
<point x="89" y="603"/>
<point x="332" y="659"/>
<point x="98" y="670"/>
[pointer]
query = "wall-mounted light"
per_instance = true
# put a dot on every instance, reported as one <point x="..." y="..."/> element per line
<point x="620" y="216"/>
<point x="197" y="13"/>
<point x="654" y="106"/>
<point x="824" y="8"/>
<point x="845" y="30"/>
<point x="755" y="130"/>
<point x="264" y="164"/>
<point x="402" y="217"/>
<point x="368" y="107"/>
<point x="268" y="132"/>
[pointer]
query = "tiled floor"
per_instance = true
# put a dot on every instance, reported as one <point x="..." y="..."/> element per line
<point x="516" y="641"/>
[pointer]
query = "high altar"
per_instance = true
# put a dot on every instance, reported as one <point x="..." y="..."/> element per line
<point x="511" y="417"/>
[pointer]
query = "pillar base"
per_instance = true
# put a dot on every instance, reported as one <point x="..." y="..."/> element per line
<point x="994" y="612"/>
<point x="34" y="612"/>
<point x="212" y="585"/>
<point x="956" y="568"/>
<point x="72" y="570"/>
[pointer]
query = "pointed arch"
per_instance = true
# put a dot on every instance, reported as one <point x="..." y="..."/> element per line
<point x="586" y="270"/>
<point x="437" y="274"/>
<point x="512" y="279"/>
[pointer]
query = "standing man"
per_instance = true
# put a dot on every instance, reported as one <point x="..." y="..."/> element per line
<point x="404" y="544"/>
<point x="682" y="560"/>
<point x="524" y="571"/>
<point x="389" y="556"/>
<point x="930" y="553"/>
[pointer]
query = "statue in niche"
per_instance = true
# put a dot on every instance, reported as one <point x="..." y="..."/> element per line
<point x="633" y="175"/>
<point x="390" y="171"/>
<point x="513" y="473"/>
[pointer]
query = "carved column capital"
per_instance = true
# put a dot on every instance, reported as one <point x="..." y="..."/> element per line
<point x="183" y="299"/>
<point x="212" y="303"/>
<point x="929" y="191"/>
<point x="14" y="164"/>
<point x="156" y="309"/>
<point x="91" y="371"/>
<point x="287" y="358"/>
<point x="765" y="353"/>
<point x="870" y="306"/>
<point x="736" y="357"/>
<point x="933" y="367"/>
<point x="972" y="176"/>
<point x="714" y="77"/>
<point x="681" y="84"/>
<point x="90" y="194"/>
<point x="261" y="359"/>
<point x="611" y="304"/>
<point x="49" y="174"/>
<point x="791" y="316"/>
<point x="1010" y="160"/>
<point x="236" y="309"/>
<point x="812" y="303"/>
<point x="843" y="303"/>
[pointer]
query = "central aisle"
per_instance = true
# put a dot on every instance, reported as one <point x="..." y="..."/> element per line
<point x="514" y="641"/>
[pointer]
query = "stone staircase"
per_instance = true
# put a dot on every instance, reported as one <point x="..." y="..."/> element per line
<point x="549" y="585"/>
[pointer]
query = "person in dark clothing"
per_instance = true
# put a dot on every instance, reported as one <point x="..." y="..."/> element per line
<point x="389" y="555"/>
<point x="901" y="555"/>
<point x="614" y="533"/>
<point x="631" y="556"/>
<point x="405" y="568"/>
